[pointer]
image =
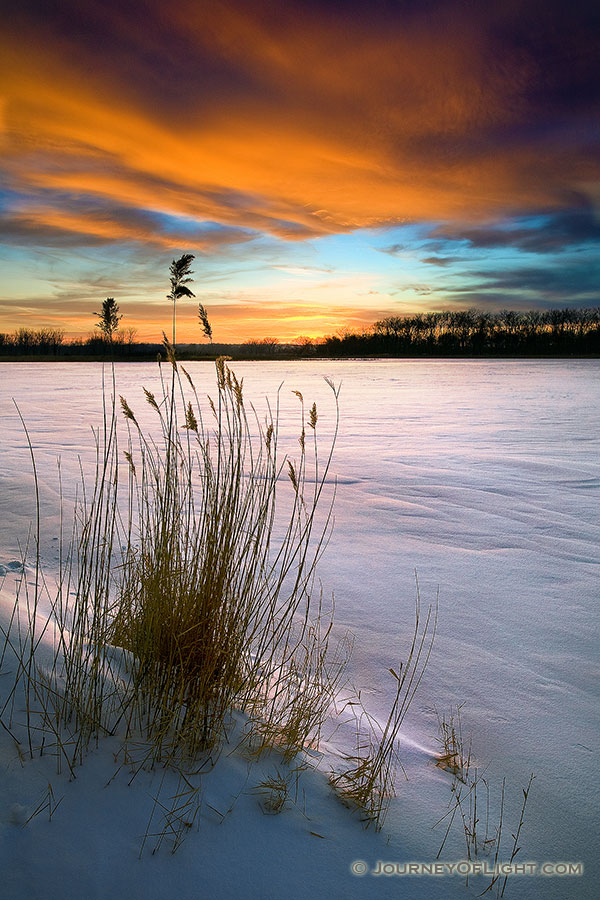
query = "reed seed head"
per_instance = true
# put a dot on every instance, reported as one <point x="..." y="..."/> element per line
<point x="127" y="411"/>
<point x="187" y="375"/>
<point x="190" y="419"/>
<point x="292" y="475"/>
<point x="151" y="399"/>
<point x="170" y="351"/>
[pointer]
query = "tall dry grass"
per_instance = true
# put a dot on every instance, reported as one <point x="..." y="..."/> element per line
<point x="366" y="782"/>
<point x="188" y="589"/>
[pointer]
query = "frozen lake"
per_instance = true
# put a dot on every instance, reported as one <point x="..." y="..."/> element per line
<point x="484" y="476"/>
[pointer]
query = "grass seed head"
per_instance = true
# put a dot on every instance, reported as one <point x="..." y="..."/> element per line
<point x="187" y="375"/>
<point x="220" y="366"/>
<point x="127" y="411"/>
<point x="292" y="475"/>
<point x="238" y="390"/>
<point x="190" y="419"/>
<point x="170" y="351"/>
<point x="151" y="399"/>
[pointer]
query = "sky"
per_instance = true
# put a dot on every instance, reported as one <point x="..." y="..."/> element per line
<point x="328" y="164"/>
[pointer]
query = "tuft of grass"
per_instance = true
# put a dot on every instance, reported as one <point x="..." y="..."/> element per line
<point x="367" y="781"/>
<point x="207" y="609"/>
<point x="186" y="590"/>
<point x="469" y="806"/>
<point x="454" y="757"/>
<point x="275" y="790"/>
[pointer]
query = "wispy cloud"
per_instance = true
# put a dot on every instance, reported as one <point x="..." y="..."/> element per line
<point x="442" y="261"/>
<point x="572" y="283"/>
<point x="540" y="233"/>
<point x="303" y="270"/>
<point x="75" y="223"/>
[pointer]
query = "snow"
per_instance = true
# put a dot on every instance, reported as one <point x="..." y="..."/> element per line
<point x="483" y="476"/>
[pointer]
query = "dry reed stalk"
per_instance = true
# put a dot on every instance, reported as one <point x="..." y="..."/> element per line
<point x="367" y="783"/>
<point x="175" y="601"/>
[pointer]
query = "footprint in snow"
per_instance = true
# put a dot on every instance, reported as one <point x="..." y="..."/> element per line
<point x="14" y="565"/>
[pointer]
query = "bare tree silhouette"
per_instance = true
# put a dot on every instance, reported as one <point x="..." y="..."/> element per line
<point x="109" y="318"/>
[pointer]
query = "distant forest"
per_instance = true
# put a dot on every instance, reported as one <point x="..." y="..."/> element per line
<point x="555" y="332"/>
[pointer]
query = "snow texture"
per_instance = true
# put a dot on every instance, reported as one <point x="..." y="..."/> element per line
<point x="484" y="477"/>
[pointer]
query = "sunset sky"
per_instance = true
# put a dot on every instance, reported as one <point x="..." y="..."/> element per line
<point x="328" y="163"/>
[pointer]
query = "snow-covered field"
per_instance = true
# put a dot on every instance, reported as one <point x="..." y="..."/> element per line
<point x="484" y="476"/>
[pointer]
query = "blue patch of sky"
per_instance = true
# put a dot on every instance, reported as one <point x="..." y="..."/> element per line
<point x="9" y="197"/>
<point x="169" y="222"/>
<point x="418" y="261"/>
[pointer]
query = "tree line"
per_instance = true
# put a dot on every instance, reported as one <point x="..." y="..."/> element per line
<point x="555" y="332"/>
<point x="52" y="343"/>
<point x="112" y="341"/>
<point x="474" y="333"/>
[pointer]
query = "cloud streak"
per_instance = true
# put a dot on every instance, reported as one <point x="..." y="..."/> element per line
<point x="544" y="233"/>
<point x="299" y="122"/>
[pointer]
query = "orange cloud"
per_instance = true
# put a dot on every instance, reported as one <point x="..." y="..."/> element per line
<point x="64" y="227"/>
<point x="342" y="127"/>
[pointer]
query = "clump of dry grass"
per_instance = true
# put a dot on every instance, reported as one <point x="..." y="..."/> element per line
<point x="469" y="807"/>
<point x="186" y="591"/>
<point x="367" y="782"/>
<point x="206" y="607"/>
<point x="276" y="789"/>
<point x="455" y="756"/>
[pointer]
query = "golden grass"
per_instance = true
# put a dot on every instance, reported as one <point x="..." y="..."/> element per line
<point x="187" y="591"/>
<point x="367" y="781"/>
